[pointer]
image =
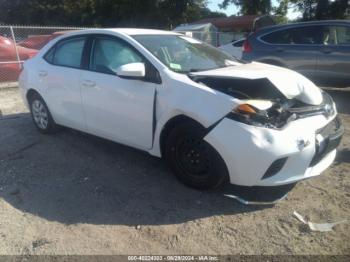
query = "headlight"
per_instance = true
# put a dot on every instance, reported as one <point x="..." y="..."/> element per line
<point x="274" y="117"/>
<point x="329" y="105"/>
<point x="248" y="114"/>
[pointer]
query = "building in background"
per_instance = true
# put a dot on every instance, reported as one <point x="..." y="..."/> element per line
<point x="205" y="32"/>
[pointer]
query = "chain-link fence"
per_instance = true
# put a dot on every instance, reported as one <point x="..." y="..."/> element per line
<point x="19" y="43"/>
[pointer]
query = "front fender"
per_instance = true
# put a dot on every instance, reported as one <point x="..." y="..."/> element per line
<point x="182" y="96"/>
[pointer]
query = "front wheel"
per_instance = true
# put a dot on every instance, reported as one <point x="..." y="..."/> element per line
<point x="194" y="162"/>
<point x="41" y="115"/>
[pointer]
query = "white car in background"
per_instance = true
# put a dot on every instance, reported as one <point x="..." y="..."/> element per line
<point x="214" y="119"/>
<point x="234" y="48"/>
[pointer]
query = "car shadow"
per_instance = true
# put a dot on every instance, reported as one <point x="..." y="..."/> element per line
<point x="343" y="156"/>
<point x="71" y="177"/>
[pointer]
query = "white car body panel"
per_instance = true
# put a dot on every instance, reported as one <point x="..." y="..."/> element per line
<point x="290" y="83"/>
<point x="129" y="103"/>
<point x="258" y="147"/>
<point x="233" y="50"/>
<point x="182" y="96"/>
<point x="64" y="83"/>
<point x="132" y="70"/>
<point x="135" y="112"/>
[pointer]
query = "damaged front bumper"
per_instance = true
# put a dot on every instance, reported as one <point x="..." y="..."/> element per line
<point x="258" y="156"/>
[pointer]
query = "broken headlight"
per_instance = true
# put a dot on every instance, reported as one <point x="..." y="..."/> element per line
<point x="273" y="117"/>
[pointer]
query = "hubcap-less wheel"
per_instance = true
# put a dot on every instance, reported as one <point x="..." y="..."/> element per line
<point x="194" y="161"/>
<point x="40" y="114"/>
<point x="192" y="157"/>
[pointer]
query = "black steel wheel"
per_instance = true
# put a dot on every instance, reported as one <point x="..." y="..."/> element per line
<point x="194" y="161"/>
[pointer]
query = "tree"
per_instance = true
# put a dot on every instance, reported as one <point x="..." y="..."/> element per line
<point x="280" y="12"/>
<point x="250" y="7"/>
<point x="306" y="7"/>
<point x="321" y="9"/>
<point x="207" y="13"/>
<point x="106" y="13"/>
<point x="260" y="7"/>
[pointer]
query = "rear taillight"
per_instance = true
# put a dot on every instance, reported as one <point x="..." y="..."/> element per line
<point x="246" y="47"/>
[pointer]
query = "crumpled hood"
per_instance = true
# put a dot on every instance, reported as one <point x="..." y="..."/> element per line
<point x="291" y="84"/>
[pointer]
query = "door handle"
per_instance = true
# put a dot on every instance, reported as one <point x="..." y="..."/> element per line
<point x="279" y="49"/>
<point x="42" y="73"/>
<point x="88" y="83"/>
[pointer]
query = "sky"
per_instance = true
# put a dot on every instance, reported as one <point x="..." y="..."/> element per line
<point x="232" y="9"/>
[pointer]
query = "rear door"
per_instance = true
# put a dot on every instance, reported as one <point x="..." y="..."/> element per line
<point x="333" y="60"/>
<point x="294" y="47"/>
<point x="59" y="77"/>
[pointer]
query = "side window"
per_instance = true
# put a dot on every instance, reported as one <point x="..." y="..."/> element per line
<point x="306" y="35"/>
<point x="69" y="52"/>
<point x="278" y="37"/>
<point x="109" y="54"/>
<point x="336" y="35"/>
<point x="49" y="55"/>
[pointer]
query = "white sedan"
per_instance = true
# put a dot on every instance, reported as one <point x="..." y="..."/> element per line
<point x="215" y="120"/>
<point x="234" y="48"/>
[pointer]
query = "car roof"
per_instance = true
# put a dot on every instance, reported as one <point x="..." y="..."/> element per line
<point x="126" y="32"/>
<point x="129" y="31"/>
<point x="138" y="31"/>
<point x="319" y="22"/>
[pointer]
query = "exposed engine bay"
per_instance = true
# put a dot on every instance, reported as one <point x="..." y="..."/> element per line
<point x="266" y="106"/>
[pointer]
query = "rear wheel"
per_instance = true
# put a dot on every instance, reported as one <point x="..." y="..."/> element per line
<point x="41" y="115"/>
<point x="194" y="162"/>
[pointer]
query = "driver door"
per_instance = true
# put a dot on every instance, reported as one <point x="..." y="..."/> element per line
<point x="117" y="108"/>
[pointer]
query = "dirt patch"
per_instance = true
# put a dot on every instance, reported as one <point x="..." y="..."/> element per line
<point x="71" y="193"/>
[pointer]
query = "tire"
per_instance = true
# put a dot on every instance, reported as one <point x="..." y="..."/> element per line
<point x="41" y="115"/>
<point x="194" y="161"/>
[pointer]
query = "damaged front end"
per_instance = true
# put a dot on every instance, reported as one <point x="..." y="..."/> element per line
<point x="263" y="104"/>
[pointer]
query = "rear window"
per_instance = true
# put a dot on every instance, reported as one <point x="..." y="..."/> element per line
<point x="67" y="53"/>
<point x="336" y="35"/>
<point x="49" y="55"/>
<point x="306" y="35"/>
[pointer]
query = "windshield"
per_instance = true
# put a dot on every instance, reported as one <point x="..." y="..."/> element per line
<point x="184" y="54"/>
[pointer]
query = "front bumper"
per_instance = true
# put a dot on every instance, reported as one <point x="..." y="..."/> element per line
<point x="250" y="151"/>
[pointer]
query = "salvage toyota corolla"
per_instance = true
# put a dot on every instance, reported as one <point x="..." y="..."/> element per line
<point x="213" y="118"/>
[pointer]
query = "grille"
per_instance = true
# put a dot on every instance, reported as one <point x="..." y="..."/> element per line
<point x="303" y="110"/>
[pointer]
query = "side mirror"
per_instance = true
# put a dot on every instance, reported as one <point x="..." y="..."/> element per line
<point x="132" y="70"/>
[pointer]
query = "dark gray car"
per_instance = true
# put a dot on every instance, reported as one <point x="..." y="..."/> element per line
<point x="319" y="50"/>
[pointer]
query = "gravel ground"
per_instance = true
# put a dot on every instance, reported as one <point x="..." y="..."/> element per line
<point x="72" y="193"/>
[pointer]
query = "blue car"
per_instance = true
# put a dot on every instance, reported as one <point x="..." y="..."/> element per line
<point x="319" y="50"/>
